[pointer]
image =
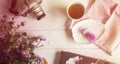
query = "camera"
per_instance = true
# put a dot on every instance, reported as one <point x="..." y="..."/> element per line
<point x="24" y="7"/>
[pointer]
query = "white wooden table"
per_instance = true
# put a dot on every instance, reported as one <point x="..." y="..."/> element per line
<point x="55" y="28"/>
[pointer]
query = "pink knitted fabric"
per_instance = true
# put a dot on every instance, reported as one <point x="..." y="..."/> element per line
<point x="101" y="10"/>
<point x="108" y="12"/>
<point x="110" y="39"/>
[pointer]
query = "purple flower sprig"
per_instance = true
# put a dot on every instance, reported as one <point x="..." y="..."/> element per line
<point x="39" y="41"/>
<point x="90" y="36"/>
<point x="26" y="53"/>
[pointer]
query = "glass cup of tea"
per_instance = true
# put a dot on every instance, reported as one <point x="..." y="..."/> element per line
<point x="75" y="11"/>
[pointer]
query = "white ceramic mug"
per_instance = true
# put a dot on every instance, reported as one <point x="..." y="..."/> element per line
<point x="75" y="11"/>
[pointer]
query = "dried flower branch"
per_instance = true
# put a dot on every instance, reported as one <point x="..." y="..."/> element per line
<point x="17" y="47"/>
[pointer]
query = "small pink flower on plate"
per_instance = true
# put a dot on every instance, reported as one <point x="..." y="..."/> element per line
<point x="90" y="36"/>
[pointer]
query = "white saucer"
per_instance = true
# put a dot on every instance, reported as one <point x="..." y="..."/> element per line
<point x="96" y="27"/>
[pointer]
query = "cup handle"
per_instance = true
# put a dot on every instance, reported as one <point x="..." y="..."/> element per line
<point x="71" y="24"/>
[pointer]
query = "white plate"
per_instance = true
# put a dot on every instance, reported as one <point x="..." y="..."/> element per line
<point x="93" y="26"/>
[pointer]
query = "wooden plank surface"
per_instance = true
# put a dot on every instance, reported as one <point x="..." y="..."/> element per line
<point x="55" y="28"/>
